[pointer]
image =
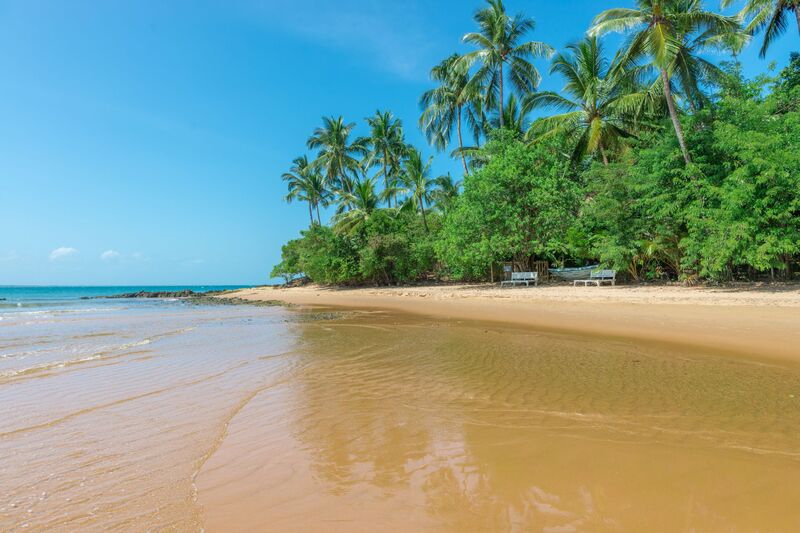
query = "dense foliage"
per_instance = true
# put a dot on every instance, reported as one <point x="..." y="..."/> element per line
<point x="660" y="163"/>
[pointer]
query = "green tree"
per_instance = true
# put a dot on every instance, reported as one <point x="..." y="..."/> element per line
<point x="305" y="183"/>
<point x="386" y="147"/>
<point x="519" y="206"/>
<point x="659" y="30"/>
<point x="447" y="104"/>
<point x="601" y="101"/>
<point x="500" y="45"/>
<point x="767" y="15"/>
<point x="356" y="206"/>
<point x="416" y="182"/>
<point x="337" y="157"/>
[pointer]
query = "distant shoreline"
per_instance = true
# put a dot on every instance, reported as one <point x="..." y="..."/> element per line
<point x="758" y="321"/>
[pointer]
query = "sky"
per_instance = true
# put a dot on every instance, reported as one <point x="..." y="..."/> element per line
<point x="143" y="142"/>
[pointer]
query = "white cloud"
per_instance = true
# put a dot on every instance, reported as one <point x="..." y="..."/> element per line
<point x="110" y="255"/>
<point x="62" y="253"/>
<point x="9" y="256"/>
<point x="191" y="262"/>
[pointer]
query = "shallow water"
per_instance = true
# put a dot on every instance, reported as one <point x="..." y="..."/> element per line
<point x="241" y="418"/>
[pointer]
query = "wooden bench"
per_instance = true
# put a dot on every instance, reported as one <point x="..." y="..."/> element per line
<point x="521" y="277"/>
<point x="598" y="277"/>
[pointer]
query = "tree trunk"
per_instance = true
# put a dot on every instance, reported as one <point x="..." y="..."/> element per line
<point x="603" y="153"/>
<point x="386" y="178"/>
<point x="500" y="104"/>
<point x="310" y="213"/>
<point x="319" y="221"/>
<point x="424" y="218"/>
<point x="673" y="113"/>
<point x="461" y="144"/>
<point x="797" y="15"/>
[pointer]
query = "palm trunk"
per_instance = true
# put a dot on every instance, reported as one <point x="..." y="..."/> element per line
<point x="603" y="153"/>
<point x="500" y="104"/>
<point x="673" y="113"/>
<point x="310" y="213"/>
<point x="424" y="218"/>
<point x="461" y="144"/>
<point x="319" y="221"/>
<point x="386" y="179"/>
<point x="797" y="15"/>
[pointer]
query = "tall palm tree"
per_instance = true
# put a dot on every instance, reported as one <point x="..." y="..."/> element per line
<point x="386" y="147"/>
<point x="416" y="182"/>
<point x="337" y="156"/>
<point x="499" y="45"/>
<point x="659" y="29"/>
<point x="769" y="15"/>
<point x="600" y="101"/>
<point x="305" y="183"/>
<point x="446" y="104"/>
<point x="357" y="205"/>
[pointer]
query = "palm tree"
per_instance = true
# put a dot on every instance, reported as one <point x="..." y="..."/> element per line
<point x="355" y="206"/>
<point x="514" y="117"/>
<point x="386" y="147"/>
<point x="445" y="192"/>
<point x="337" y="156"/>
<point x="307" y="184"/>
<point x="445" y="105"/>
<point x="600" y="101"/>
<point x="498" y="42"/>
<point x="769" y="14"/>
<point x="660" y="28"/>
<point x="416" y="182"/>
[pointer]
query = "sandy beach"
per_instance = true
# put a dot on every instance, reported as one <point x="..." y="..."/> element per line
<point x="761" y="321"/>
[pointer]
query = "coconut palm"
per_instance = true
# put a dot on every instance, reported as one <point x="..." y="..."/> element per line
<point x="307" y="184"/>
<point x="416" y="182"/>
<point x="337" y="156"/>
<point x="769" y="15"/>
<point x="386" y="147"/>
<point x="600" y="101"/>
<point x="659" y="29"/>
<point x="357" y="205"/>
<point x="499" y="42"/>
<point x="514" y="117"/>
<point x="447" y="104"/>
<point x="445" y="192"/>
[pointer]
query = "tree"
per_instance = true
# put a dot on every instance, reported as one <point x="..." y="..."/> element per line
<point x="769" y="15"/>
<point x="337" y="156"/>
<point x="386" y="147"/>
<point x="305" y="183"/>
<point x="356" y="206"/>
<point x="416" y="182"/>
<point x="514" y="118"/>
<point x="499" y="45"/>
<point x="660" y="29"/>
<point x="600" y="103"/>
<point x="445" y="105"/>
<point x="445" y="193"/>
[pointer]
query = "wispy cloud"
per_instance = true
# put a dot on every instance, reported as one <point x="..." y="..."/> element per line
<point x="62" y="253"/>
<point x="367" y="29"/>
<point x="192" y="262"/>
<point x="110" y="255"/>
<point x="9" y="256"/>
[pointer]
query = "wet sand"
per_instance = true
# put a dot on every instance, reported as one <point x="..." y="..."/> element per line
<point x="243" y="418"/>
<point x="750" y="321"/>
<point x="395" y="423"/>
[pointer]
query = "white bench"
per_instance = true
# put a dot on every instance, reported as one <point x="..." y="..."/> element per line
<point x="521" y="277"/>
<point x="598" y="277"/>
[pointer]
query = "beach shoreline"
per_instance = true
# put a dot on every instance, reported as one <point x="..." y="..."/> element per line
<point x="758" y="321"/>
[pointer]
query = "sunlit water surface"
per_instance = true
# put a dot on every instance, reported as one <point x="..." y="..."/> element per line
<point x="151" y="415"/>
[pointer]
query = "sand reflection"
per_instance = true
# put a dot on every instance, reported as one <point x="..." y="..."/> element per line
<point x="402" y="423"/>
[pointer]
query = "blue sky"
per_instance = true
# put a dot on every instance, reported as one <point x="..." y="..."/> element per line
<point x="143" y="142"/>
